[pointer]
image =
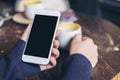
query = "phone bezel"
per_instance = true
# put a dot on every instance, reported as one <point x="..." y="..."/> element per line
<point x="41" y="60"/>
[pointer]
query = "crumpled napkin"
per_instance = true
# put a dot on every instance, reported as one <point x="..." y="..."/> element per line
<point x="1" y="21"/>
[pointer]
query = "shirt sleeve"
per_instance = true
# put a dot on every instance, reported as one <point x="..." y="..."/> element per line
<point x="13" y="68"/>
<point x="76" y="67"/>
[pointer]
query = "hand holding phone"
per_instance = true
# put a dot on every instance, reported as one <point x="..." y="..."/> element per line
<point x="41" y="36"/>
<point x="54" y="54"/>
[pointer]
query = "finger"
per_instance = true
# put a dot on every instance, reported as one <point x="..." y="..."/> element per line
<point x="56" y="44"/>
<point x="78" y="36"/>
<point x="29" y="27"/>
<point x="26" y="32"/>
<point x="55" y="53"/>
<point x="85" y="38"/>
<point x="52" y="62"/>
<point x="58" y="32"/>
<point x="90" y="40"/>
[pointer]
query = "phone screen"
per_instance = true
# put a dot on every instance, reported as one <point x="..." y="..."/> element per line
<point x="41" y="35"/>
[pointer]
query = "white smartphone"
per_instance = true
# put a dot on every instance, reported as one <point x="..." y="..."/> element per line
<point x="40" y="39"/>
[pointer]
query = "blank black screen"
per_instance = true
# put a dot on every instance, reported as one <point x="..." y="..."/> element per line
<point x="41" y="36"/>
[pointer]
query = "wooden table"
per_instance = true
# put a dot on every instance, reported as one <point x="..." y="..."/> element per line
<point x="105" y="34"/>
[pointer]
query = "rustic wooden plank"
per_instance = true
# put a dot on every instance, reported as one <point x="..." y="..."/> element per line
<point x="102" y="71"/>
<point x="9" y="34"/>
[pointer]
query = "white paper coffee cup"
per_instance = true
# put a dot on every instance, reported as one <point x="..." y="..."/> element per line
<point x="31" y="7"/>
<point x="69" y="30"/>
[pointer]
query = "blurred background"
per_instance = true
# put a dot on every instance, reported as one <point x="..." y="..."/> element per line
<point x="107" y="9"/>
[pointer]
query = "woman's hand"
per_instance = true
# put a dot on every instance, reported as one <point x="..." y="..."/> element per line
<point x="55" y="51"/>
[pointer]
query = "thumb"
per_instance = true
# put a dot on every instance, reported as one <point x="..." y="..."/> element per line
<point x="26" y="32"/>
<point x="77" y="37"/>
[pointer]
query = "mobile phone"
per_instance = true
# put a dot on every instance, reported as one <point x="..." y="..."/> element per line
<point x="40" y="39"/>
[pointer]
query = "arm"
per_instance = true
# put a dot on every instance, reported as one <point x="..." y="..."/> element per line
<point x="83" y="56"/>
<point x="76" y="67"/>
<point x="12" y="66"/>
